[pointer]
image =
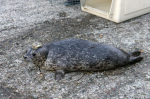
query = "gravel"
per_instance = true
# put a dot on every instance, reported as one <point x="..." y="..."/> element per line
<point x="23" y="22"/>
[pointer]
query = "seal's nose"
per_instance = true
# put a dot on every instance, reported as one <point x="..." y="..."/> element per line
<point x="25" y="57"/>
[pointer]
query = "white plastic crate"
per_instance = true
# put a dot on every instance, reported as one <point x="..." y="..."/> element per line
<point x="116" y="10"/>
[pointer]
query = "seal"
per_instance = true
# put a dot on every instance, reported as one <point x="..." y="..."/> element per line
<point x="78" y="55"/>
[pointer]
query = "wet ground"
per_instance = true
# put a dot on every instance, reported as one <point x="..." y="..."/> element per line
<point x="22" y="80"/>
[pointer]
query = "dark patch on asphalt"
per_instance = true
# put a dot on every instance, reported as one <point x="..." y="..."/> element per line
<point x="54" y="30"/>
<point x="62" y="14"/>
<point x="2" y="53"/>
<point x="65" y="28"/>
<point x="9" y="93"/>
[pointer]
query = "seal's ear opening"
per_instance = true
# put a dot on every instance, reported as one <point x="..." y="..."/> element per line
<point x="36" y="45"/>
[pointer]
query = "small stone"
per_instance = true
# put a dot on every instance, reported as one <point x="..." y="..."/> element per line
<point x="79" y="20"/>
<point x="38" y="72"/>
<point x="121" y="97"/>
<point x="41" y="74"/>
<point x="142" y="51"/>
<point x="148" y="76"/>
<point x="17" y="91"/>
<point x="11" y="65"/>
<point x="101" y="36"/>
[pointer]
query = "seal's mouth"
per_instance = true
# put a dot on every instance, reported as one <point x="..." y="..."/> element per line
<point x="27" y="59"/>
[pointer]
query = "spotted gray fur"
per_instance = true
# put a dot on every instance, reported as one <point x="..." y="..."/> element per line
<point x="78" y="54"/>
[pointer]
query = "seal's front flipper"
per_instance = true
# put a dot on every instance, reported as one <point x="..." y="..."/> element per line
<point x="59" y="75"/>
<point x="135" y="53"/>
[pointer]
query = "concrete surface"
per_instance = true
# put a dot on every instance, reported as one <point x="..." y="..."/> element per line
<point x="24" y="21"/>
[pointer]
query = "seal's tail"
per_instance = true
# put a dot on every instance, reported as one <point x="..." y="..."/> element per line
<point x="135" y="59"/>
<point x="135" y="53"/>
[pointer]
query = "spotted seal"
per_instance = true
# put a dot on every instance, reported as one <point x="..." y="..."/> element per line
<point x="78" y="54"/>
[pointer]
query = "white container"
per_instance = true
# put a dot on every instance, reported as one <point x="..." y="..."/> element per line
<point x="116" y="10"/>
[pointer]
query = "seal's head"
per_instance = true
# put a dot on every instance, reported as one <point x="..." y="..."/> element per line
<point x="36" y="53"/>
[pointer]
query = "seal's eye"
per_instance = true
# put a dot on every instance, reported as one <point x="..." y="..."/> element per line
<point x="33" y="54"/>
<point x="26" y="51"/>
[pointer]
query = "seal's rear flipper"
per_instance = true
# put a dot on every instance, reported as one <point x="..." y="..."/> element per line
<point x="59" y="75"/>
<point x="135" y="59"/>
<point x="135" y="53"/>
